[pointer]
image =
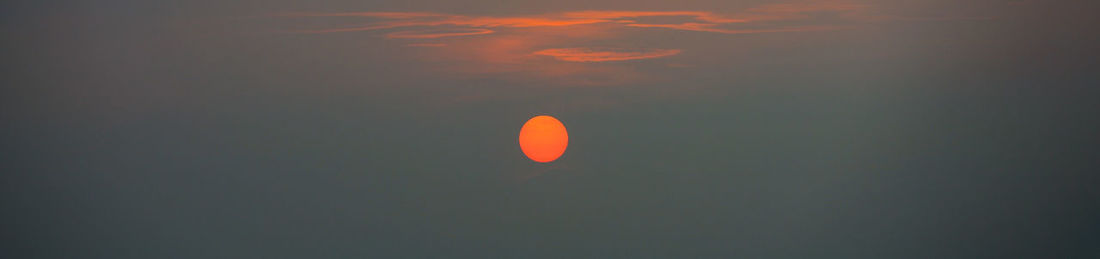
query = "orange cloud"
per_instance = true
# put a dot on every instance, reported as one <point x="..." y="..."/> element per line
<point x="397" y="20"/>
<point x="435" y="34"/>
<point x="702" y="16"/>
<point x="605" y="54"/>
<point x="426" y="45"/>
<point x="392" y="15"/>
<point x="516" y="47"/>
<point x="711" y="28"/>
<point x="696" y="20"/>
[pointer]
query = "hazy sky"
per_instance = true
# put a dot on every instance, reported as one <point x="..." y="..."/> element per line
<point x="718" y="129"/>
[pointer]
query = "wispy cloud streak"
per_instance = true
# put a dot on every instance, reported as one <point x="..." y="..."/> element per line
<point x="605" y="54"/>
<point x="587" y="47"/>
<point x="436" y="34"/>
<point x="747" y="21"/>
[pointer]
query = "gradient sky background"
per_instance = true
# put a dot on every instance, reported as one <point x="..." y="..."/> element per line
<point x="760" y="129"/>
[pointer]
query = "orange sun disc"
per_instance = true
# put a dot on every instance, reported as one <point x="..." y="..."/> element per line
<point x="543" y="138"/>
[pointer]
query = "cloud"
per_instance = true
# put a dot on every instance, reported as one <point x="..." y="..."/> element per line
<point x="605" y="54"/>
<point x="396" y="20"/>
<point x="560" y="47"/>
<point x="712" y="28"/>
<point x="427" y="34"/>
<point x="759" y="19"/>
<point x="427" y="45"/>
<point x="616" y="15"/>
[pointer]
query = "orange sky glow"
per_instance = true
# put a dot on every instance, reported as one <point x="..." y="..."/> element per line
<point x="543" y="45"/>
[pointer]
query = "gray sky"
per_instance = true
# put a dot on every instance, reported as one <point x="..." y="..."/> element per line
<point x="761" y="129"/>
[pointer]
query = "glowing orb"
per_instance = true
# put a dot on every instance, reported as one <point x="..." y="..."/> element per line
<point x="543" y="138"/>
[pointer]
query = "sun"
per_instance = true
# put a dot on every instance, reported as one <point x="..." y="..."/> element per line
<point x="543" y="138"/>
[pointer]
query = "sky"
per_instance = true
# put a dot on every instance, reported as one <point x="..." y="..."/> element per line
<point x="697" y="128"/>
